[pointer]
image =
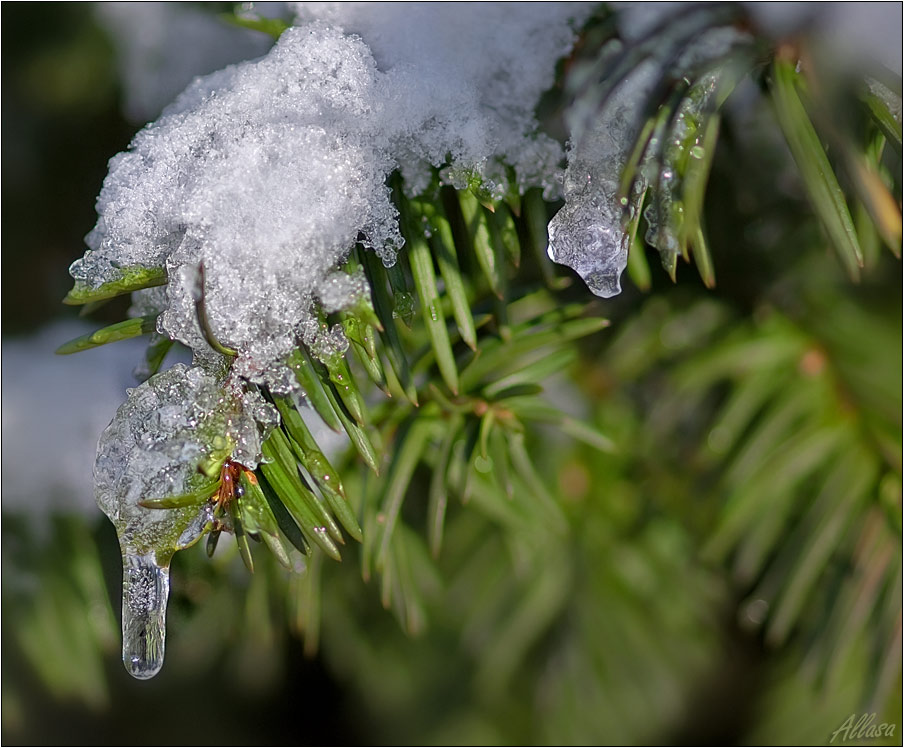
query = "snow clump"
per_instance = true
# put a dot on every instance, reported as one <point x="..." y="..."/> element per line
<point x="254" y="185"/>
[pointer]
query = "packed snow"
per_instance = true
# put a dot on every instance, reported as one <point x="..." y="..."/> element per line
<point x="266" y="173"/>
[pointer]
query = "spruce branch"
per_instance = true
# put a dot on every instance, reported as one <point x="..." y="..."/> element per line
<point x="454" y="476"/>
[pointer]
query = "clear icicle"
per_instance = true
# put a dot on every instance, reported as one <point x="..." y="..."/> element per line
<point x="145" y="589"/>
<point x="170" y="426"/>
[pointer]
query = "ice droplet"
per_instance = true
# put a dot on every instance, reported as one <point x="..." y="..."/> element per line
<point x="592" y="244"/>
<point x="145" y="589"/>
<point x="588" y="233"/>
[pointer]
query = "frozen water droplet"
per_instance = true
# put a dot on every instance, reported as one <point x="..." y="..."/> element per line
<point x="594" y="247"/>
<point x="588" y="233"/>
<point x="145" y="589"/>
<point x="404" y="305"/>
<point x="327" y="344"/>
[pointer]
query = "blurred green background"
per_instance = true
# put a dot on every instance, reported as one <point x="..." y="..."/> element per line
<point x="731" y="575"/>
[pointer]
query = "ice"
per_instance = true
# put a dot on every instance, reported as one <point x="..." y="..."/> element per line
<point x="588" y="234"/>
<point x="887" y="96"/>
<point x="590" y="241"/>
<point x="325" y="343"/>
<point x="145" y="589"/>
<point x="148" y="301"/>
<point x="155" y="444"/>
<point x="664" y="211"/>
<point x="268" y="172"/>
<point x="155" y="447"/>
